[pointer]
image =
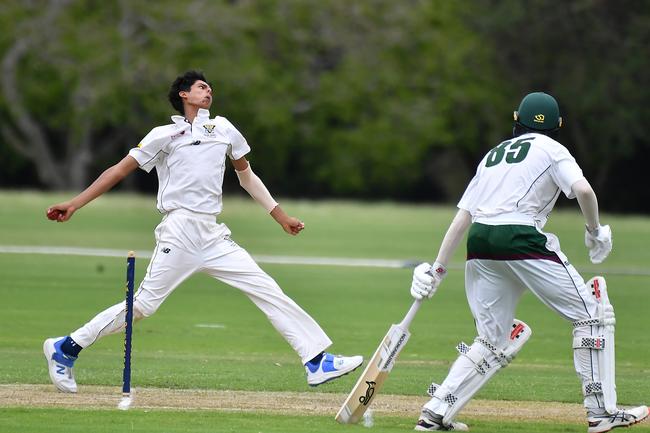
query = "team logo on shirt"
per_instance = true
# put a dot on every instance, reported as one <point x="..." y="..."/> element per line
<point x="209" y="130"/>
<point x="539" y="118"/>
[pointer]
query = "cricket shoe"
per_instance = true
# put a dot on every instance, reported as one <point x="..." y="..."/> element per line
<point x="622" y="418"/>
<point x="430" y="421"/>
<point x="330" y="367"/>
<point x="60" y="365"/>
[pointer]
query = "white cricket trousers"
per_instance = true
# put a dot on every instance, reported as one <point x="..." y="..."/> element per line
<point x="494" y="287"/>
<point x="187" y="243"/>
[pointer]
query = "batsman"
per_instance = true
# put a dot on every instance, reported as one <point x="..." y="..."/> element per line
<point x="505" y="208"/>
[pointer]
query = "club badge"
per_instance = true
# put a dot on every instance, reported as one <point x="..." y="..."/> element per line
<point x="209" y="130"/>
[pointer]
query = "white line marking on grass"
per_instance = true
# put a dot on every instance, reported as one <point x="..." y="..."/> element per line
<point x="336" y="261"/>
<point x="282" y="260"/>
<point x="67" y="251"/>
<point x="210" y="325"/>
<point x="288" y="260"/>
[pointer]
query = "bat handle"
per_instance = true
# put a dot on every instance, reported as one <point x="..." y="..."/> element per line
<point x="406" y="322"/>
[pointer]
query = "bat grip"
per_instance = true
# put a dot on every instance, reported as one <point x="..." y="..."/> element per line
<point x="406" y="322"/>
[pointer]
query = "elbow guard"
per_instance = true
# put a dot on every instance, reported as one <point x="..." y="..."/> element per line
<point x="256" y="188"/>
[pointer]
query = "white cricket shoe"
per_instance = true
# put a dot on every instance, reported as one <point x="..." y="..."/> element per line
<point x="331" y="367"/>
<point x="622" y="418"/>
<point x="59" y="365"/>
<point x="430" y="421"/>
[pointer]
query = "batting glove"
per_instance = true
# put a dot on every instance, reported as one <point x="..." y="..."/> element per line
<point x="426" y="279"/>
<point x="599" y="243"/>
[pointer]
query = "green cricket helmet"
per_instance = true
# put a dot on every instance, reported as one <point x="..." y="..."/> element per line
<point x="539" y="111"/>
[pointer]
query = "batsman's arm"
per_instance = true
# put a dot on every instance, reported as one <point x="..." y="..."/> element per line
<point x="588" y="203"/>
<point x="108" y="179"/>
<point x="454" y="234"/>
<point x="426" y="277"/>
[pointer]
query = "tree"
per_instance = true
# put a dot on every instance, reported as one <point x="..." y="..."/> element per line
<point x="587" y="54"/>
<point x="73" y="89"/>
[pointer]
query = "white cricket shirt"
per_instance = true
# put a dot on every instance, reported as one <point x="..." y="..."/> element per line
<point x="190" y="161"/>
<point x="519" y="181"/>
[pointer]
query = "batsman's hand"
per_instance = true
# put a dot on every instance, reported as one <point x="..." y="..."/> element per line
<point x="426" y="279"/>
<point x="599" y="243"/>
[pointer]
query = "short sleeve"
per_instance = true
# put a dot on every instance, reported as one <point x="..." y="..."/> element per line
<point x="238" y="145"/>
<point x="565" y="171"/>
<point x="150" y="149"/>
<point x="468" y="200"/>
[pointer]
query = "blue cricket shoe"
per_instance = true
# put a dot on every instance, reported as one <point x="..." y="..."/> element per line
<point x="331" y="367"/>
<point x="59" y="365"/>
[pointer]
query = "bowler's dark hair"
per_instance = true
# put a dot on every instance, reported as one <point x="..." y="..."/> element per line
<point x="182" y="83"/>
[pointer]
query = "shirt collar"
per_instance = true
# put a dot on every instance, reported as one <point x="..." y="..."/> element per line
<point x="202" y="113"/>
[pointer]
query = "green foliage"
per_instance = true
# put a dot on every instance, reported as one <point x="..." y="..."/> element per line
<point x="597" y="77"/>
<point x="365" y="99"/>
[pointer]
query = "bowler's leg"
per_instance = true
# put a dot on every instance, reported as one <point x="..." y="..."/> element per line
<point x="165" y="272"/>
<point x="299" y="329"/>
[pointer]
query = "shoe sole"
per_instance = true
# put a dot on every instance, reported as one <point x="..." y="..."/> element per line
<point x="313" y="385"/>
<point x="48" y="357"/>
<point x="629" y="425"/>
<point x="420" y="428"/>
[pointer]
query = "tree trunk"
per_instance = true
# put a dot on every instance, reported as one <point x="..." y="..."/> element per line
<point x="27" y="136"/>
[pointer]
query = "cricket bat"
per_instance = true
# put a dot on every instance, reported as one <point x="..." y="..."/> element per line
<point x="377" y="370"/>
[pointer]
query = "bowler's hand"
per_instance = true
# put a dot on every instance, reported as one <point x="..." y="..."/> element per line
<point x="292" y="225"/>
<point x="599" y="243"/>
<point x="60" y="212"/>
<point x="426" y="279"/>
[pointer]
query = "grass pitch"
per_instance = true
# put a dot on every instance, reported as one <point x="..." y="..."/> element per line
<point x="209" y="336"/>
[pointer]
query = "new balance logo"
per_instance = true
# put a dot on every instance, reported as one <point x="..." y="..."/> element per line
<point x="166" y="250"/>
<point x="60" y="369"/>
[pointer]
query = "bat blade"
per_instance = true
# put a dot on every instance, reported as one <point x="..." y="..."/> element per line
<point x="373" y="377"/>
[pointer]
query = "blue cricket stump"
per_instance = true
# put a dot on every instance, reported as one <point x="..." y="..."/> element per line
<point x="125" y="403"/>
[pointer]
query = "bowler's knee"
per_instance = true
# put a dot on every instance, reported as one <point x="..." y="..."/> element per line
<point x="142" y="310"/>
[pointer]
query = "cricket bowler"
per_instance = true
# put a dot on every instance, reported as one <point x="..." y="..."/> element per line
<point x="189" y="156"/>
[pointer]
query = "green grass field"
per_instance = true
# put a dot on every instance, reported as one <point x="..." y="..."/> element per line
<point x="209" y="336"/>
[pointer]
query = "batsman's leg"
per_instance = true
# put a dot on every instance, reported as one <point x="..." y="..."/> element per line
<point x="594" y="340"/>
<point x="493" y="296"/>
<point x="587" y="306"/>
<point x="471" y="371"/>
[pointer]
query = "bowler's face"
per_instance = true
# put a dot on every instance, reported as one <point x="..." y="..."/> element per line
<point x="199" y="95"/>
